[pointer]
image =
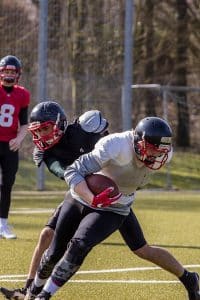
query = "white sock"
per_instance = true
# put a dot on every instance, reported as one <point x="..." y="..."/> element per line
<point x="38" y="281"/>
<point x="51" y="287"/>
<point x="3" y="222"/>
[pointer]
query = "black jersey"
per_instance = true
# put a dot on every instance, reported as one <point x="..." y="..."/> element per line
<point x="74" y="143"/>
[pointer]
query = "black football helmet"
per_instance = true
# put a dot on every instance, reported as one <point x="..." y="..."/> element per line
<point x="41" y="116"/>
<point x="10" y="62"/>
<point x="153" y="142"/>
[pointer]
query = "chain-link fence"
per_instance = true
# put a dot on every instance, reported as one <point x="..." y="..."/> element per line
<point x="81" y="70"/>
<point x="85" y="62"/>
<point x="166" y="102"/>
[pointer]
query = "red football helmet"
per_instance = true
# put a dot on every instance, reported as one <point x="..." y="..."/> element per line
<point x="153" y="142"/>
<point x="10" y="63"/>
<point x="47" y="124"/>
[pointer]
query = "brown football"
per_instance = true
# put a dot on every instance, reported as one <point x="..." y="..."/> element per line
<point x="97" y="183"/>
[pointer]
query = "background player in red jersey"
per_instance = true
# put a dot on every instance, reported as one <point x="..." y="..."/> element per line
<point x="14" y="101"/>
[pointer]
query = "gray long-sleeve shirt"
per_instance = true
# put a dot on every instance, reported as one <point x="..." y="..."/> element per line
<point x="113" y="156"/>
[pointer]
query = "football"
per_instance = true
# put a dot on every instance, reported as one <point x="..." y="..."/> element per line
<point x="97" y="183"/>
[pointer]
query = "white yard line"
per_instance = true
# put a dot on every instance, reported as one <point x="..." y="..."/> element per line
<point x="19" y="277"/>
<point x="25" y="211"/>
<point x="107" y="281"/>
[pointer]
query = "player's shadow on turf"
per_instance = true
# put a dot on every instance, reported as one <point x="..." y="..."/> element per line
<point x="179" y="246"/>
<point x="163" y="246"/>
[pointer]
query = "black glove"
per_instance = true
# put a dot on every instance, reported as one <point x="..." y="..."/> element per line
<point x="37" y="156"/>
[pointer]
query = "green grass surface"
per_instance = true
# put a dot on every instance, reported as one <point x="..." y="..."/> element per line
<point x="182" y="173"/>
<point x="169" y="219"/>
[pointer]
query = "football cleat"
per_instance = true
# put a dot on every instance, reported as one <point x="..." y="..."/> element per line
<point x="194" y="292"/>
<point x="43" y="296"/>
<point x="6" y="232"/>
<point x="32" y="293"/>
<point x="29" y="296"/>
<point x="17" y="294"/>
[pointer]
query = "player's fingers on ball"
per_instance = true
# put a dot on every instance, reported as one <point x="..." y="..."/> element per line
<point x="109" y="190"/>
<point x="116" y="197"/>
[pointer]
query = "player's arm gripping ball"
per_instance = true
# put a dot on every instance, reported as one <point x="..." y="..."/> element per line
<point x="105" y="190"/>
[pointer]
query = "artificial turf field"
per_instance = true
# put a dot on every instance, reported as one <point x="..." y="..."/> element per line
<point x="111" y="271"/>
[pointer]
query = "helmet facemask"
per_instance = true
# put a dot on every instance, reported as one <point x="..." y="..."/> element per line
<point x="154" y="156"/>
<point x="45" y="141"/>
<point x="48" y="123"/>
<point x="9" y="78"/>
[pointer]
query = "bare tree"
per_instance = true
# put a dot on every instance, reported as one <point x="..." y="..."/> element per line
<point x="150" y="56"/>
<point x="183" y="128"/>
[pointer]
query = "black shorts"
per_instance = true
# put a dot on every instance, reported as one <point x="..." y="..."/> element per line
<point x="132" y="233"/>
<point x="54" y="217"/>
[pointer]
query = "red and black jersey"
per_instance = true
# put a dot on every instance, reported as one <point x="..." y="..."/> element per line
<point x="11" y="104"/>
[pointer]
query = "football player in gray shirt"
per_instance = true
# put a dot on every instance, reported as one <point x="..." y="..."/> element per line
<point x="128" y="158"/>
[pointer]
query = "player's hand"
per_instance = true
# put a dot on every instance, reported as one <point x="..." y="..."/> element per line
<point x="103" y="199"/>
<point x="14" y="144"/>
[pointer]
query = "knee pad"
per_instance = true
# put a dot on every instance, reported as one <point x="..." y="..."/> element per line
<point x="77" y="251"/>
<point x="63" y="271"/>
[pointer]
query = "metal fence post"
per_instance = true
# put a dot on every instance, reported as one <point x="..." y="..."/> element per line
<point x="128" y="66"/>
<point x="42" y="71"/>
<point x="165" y="117"/>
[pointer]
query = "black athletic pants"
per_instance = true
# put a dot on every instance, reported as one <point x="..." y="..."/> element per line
<point x="79" y="228"/>
<point x="8" y="168"/>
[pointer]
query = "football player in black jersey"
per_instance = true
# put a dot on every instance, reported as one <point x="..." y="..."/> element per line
<point x="52" y="146"/>
<point x="57" y="144"/>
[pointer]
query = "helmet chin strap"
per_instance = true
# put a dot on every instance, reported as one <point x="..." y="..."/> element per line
<point x="156" y="165"/>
